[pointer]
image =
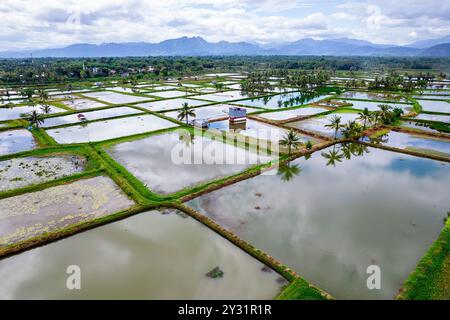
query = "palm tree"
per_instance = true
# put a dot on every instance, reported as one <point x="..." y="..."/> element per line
<point x="46" y="108"/>
<point x="35" y="118"/>
<point x="288" y="171"/>
<point x="291" y="140"/>
<point x="397" y="112"/>
<point x="43" y="96"/>
<point x="335" y="123"/>
<point x="385" y="112"/>
<point x="351" y="129"/>
<point x="185" y="112"/>
<point x="364" y="116"/>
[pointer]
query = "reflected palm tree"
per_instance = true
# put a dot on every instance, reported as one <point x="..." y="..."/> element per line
<point x="332" y="157"/>
<point x="288" y="171"/>
<point x="187" y="138"/>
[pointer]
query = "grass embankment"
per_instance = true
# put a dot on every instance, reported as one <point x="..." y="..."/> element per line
<point x="431" y="279"/>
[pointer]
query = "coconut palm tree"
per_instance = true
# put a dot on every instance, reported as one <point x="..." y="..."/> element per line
<point x="385" y="113"/>
<point x="291" y="140"/>
<point x="397" y="112"/>
<point x="43" y="96"/>
<point x="185" y="112"/>
<point x="364" y="116"/>
<point x="35" y="119"/>
<point x="335" y="123"/>
<point x="351" y="129"/>
<point x="46" y="109"/>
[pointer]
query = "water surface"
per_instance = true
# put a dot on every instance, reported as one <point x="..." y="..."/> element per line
<point x="147" y="256"/>
<point x="330" y="223"/>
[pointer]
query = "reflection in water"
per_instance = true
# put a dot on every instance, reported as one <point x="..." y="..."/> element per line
<point x="344" y="151"/>
<point x="330" y="223"/>
<point x="288" y="171"/>
<point x="147" y="256"/>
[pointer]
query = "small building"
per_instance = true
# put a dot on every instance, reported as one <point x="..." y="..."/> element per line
<point x="237" y="114"/>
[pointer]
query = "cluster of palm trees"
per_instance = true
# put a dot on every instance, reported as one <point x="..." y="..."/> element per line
<point x="386" y="115"/>
<point x="35" y="118"/>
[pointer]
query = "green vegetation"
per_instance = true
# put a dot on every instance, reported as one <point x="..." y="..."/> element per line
<point x="430" y="279"/>
<point x="299" y="289"/>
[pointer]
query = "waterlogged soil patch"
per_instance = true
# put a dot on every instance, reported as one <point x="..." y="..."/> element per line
<point x="29" y="215"/>
<point x="169" y="162"/>
<point x="21" y="172"/>
<point x="109" y="129"/>
<point x="146" y="256"/>
<point x="16" y="141"/>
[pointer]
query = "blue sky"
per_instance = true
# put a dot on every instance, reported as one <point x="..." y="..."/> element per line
<point x="50" y="23"/>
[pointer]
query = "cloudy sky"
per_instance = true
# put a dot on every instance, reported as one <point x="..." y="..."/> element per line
<point x="56" y="23"/>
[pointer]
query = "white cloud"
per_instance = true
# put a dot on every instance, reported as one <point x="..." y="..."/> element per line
<point x="44" y="23"/>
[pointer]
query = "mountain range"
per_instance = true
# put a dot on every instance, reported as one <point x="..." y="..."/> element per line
<point x="197" y="46"/>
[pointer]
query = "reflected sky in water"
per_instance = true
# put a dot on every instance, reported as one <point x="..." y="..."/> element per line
<point x="147" y="256"/>
<point x="330" y="222"/>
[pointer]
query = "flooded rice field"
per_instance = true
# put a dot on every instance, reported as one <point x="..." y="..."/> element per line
<point x="109" y="129"/>
<point x="285" y="100"/>
<point x="115" y="98"/>
<point x="435" y="106"/>
<point x="293" y="113"/>
<point x="13" y="141"/>
<point x="210" y="112"/>
<point x="23" y="111"/>
<point x="417" y="143"/>
<point x="29" y="215"/>
<point x="434" y="117"/>
<point x="170" y="104"/>
<point x="382" y="208"/>
<point x="152" y="160"/>
<point x="372" y="96"/>
<point x="317" y="124"/>
<point x="90" y="115"/>
<point x="373" y="106"/>
<point x="82" y="104"/>
<point x="163" y="255"/>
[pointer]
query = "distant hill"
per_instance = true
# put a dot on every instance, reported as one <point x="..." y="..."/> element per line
<point x="440" y="50"/>
<point x="424" y="44"/>
<point x="197" y="46"/>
